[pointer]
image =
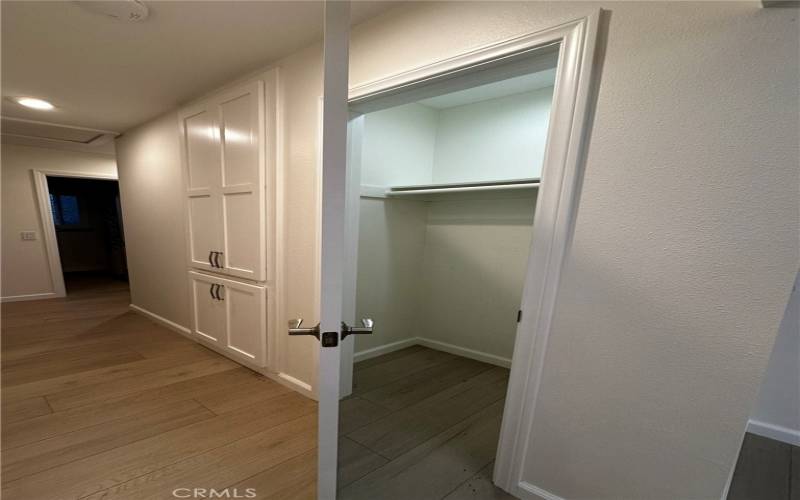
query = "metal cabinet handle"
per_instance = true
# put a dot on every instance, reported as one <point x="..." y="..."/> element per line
<point x="217" y="292"/>
<point x="211" y="290"/>
<point x="216" y="259"/>
<point x="294" y="328"/>
<point x="210" y="263"/>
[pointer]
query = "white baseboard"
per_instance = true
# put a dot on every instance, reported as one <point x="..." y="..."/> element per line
<point x="772" y="431"/>
<point x="293" y="383"/>
<point x="464" y="352"/>
<point x="161" y="320"/>
<point x="527" y="491"/>
<point x="384" y="349"/>
<point x="30" y="296"/>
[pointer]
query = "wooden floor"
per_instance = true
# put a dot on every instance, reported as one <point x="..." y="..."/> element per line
<point x="99" y="402"/>
<point x="766" y="470"/>
<point x="421" y="424"/>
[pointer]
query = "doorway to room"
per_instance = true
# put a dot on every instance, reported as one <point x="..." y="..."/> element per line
<point x="86" y="220"/>
<point x="447" y="184"/>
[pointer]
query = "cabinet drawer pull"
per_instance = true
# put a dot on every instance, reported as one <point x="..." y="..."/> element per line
<point x="211" y="290"/>
<point x="217" y="292"/>
<point x="210" y="262"/>
<point x="216" y="259"/>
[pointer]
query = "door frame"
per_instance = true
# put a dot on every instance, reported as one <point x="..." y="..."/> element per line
<point x="48" y="224"/>
<point x="577" y="77"/>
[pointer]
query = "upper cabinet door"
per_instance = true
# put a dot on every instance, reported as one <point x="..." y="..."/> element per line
<point x="200" y="149"/>
<point x="242" y="139"/>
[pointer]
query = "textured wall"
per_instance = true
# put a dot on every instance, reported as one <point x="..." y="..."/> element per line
<point x="25" y="267"/>
<point x="686" y="240"/>
<point x="151" y="191"/>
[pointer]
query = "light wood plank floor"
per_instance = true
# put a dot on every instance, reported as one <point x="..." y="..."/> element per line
<point x="99" y="402"/>
<point x="421" y="424"/>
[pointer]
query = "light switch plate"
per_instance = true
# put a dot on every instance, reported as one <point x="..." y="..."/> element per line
<point x="28" y="235"/>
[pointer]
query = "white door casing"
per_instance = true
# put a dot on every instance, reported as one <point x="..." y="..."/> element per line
<point x="570" y="119"/>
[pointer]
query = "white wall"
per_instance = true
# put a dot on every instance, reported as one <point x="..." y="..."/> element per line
<point x="492" y="140"/>
<point x="449" y="271"/>
<point x="391" y="242"/>
<point x="777" y="410"/>
<point x="25" y="269"/>
<point x="476" y="253"/>
<point x="398" y="146"/>
<point x="670" y="298"/>
<point x="495" y="139"/>
<point x="152" y="196"/>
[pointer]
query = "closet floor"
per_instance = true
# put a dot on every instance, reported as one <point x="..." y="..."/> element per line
<point x="421" y="424"/>
<point x="99" y="402"/>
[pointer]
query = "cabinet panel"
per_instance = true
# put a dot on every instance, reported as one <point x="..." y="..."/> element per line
<point x="247" y="321"/>
<point x="244" y="254"/>
<point x="202" y="150"/>
<point x="208" y="313"/>
<point x="241" y="137"/>
<point x="204" y="223"/>
<point x="243" y="215"/>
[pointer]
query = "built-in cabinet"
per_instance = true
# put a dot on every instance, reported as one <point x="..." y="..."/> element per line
<point x="226" y="151"/>
<point x="230" y="315"/>
<point x="223" y="149"/>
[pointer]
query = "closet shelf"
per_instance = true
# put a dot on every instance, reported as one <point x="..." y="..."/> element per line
<point x="462" y="187"/>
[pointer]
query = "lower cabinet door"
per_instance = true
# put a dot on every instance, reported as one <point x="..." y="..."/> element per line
<point x="232" y="315"/>
<point x="246" y="321"/>
<point x="208" y="312"/>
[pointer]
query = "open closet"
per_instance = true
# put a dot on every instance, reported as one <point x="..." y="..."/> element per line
<point x="448" y="191"/>
<point x="447" y="179"/>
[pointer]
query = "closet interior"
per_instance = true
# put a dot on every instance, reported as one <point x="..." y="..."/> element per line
<point x="448" y="188"/>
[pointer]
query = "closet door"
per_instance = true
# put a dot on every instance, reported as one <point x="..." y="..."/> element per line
<point x="203" y="177"/>
<point x="246" y="317"/>
<point x="208" y="312"/>
<point x="242" y="136"/>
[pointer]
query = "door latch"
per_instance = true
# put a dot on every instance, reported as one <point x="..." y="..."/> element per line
<point x="328" y="339"/>
<point x="365" y="329"/>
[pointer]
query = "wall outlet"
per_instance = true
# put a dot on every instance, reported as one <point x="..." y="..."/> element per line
<point x="28" y="235"/>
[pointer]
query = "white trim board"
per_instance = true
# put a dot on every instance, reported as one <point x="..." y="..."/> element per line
<point x="161" y="320"/>
<point x="29" y="296"/>
<point x="384" y="349"/>
<point x="772" y="431"/>
<point x="432" y="344"/>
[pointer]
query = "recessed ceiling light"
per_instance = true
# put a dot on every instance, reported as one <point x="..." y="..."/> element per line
<point x="32" y="102"/>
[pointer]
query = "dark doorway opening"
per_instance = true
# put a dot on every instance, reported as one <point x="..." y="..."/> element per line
<point x="88" y="221"/>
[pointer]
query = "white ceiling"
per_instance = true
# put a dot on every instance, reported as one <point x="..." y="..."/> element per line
<point x="112" y="75"/>
<point x="510" y="86"/>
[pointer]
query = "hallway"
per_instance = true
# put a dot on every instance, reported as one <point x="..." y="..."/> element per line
<point x="100" y="402"/>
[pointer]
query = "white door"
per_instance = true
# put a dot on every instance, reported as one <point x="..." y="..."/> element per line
<point x="334" y="171"/>
<point x="201" y="157"/>
<point x="208" y="310"/>
<point x="241" y="116"/>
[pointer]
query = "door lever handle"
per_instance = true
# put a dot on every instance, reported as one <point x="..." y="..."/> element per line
<point x="294" y="328"/>
<point x="365" y="329"/>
